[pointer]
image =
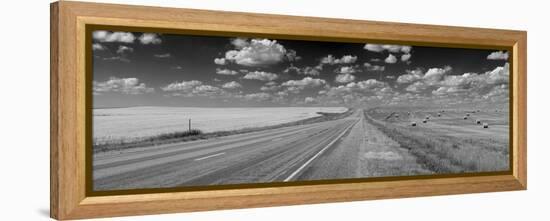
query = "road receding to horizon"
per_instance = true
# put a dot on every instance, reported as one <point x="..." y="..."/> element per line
<point x="345" y="148"/>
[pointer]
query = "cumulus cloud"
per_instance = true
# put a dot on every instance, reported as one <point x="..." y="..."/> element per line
<point x="270" y="86"/>
<point x="386" y="47"/>
<point x="257" y="52"/>
<point x="361" y="92"/>
<point x="344" y="78"/>
<point x="149" y="38"/>
<point x="473" y="82"/>
<point x="226" y="71"/>
<point x="434" y="75"/>
<point x="121" y="85"/>
<point x="98" y="47"/>
<point x="499" y="75"/>
<point x="405" y="57"/>
<point x="468" y="85"/>
<point x="346" y="59"/>
<point x="261" y="75"/>
<point x="391" y="59"/>
<point x="303" y="71"/>
<point x="431" y="77"/>
<point x="231" y="85"/>
<point x="371" y="67"/>
<point x="206" y="90"/>
<point x="292" y="69"/>
<point x="309" y="100"/>
<point x="107" y="36"/>
<point x="417" y="87"/>
<point x="292" y="56"/>
<point x="411" y="76"/>
<point x="311" y="71"/>
<point x="346" y="70"/>
<point x="240" y="43"/>
<point x="498" y="93"/>
<point x="498" y="55"/>
<point x="122" y="49"/>
<point x="220" y="61"/>
<point x="369" y="84"/>
<point x="192" y="88"/>
<point x="125" y="37"/>
<point x="166" y="55"/>
<point x="307" y="82"/>
<point x="262" y="96"/>
<point x="181" y="86"/>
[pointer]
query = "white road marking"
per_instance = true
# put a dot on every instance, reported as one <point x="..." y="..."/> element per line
<point x="210" y="156"/>
<point x="318" y="154"/>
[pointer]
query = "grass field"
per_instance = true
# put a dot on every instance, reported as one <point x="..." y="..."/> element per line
<point x="446" y="142"/>
<point x="138" y="126"/>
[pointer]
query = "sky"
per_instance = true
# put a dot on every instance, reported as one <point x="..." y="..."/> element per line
<point x="152" y="69"/>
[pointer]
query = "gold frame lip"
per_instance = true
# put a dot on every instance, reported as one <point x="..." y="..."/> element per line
<point x="221" y="33"/>
<point x="68" y="198"/>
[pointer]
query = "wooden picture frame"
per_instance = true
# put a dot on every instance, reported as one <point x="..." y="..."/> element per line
<point x="69" y="198"/>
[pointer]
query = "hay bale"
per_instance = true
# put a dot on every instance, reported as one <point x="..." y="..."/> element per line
<point x="413" y="124"/>
<point x="425" y="121"/>
<point x="485" y="125"/>
<point x="468" y="115"/>
<point x="465" y="117"/>
<point x="439" y="114"/>
<point x="478" y="121"/>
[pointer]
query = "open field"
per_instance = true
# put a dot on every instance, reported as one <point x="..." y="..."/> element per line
<point x="117" y="125"/>
<point x="358" y="144"/>
<point x="446" y="142"/>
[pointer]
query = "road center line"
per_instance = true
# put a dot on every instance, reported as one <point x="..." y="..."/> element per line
<point x="318" y="154"/>
<point x="210" y="156"/>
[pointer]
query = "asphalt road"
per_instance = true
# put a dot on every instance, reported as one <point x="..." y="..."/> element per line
<point x="282" y="155"/>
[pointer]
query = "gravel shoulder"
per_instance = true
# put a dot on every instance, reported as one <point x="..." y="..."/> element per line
<point x="364" y="152"/>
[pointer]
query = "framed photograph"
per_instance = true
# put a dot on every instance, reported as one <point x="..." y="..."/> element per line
<point x="161" y="110"/>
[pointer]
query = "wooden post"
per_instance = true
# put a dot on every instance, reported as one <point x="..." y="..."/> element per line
<point x="189" y="124"/>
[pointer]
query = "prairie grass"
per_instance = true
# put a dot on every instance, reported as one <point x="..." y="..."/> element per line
<point x="443" y="152"/>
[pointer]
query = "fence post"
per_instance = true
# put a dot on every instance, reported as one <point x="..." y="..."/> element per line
<point x="189" y="124"/>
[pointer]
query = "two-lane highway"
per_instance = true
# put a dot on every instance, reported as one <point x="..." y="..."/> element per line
<point x="282" y="154"/>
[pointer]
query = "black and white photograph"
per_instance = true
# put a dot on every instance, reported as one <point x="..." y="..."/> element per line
<point x="181" y="110"/>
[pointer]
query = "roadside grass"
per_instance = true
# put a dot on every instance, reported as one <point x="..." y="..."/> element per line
<point x="195" y="134"/>
<point x="442" y="153"/>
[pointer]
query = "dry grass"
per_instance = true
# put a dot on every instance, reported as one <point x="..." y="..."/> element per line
<point x="443" y="152"/>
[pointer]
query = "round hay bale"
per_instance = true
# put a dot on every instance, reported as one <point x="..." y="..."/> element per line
<point x="468" y="115"/>
<point x="485" y="125"/>
<point x="425" y="121"/>
<point x="478" y="121"/>
<point x="465" y="117"/>
<point x="439" y="114"/>
<point x="413" y="124"/>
